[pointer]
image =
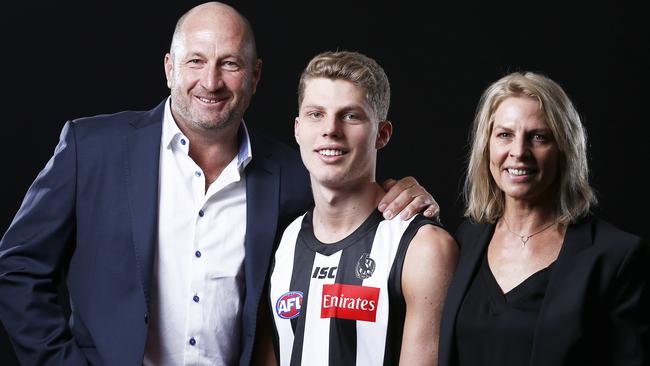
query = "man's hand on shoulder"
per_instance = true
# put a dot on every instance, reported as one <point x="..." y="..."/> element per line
<point x="407" y="197"/>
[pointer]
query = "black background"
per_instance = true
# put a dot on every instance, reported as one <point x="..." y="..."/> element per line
<point x="63" y="60"/>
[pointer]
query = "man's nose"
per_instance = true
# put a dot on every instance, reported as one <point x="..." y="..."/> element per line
<point x="212" y="78"/>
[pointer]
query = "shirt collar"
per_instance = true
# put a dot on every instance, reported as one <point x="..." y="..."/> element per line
<point x="172" y="136"/>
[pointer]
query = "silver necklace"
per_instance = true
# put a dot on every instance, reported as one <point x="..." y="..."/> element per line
<point x="524" y="238"/>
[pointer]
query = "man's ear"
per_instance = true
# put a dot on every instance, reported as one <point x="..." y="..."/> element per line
<point x="296" y="135"/>
<point x="169" y="69"/>
<point x="384" y="132"/>
<point x="257" y="74"/>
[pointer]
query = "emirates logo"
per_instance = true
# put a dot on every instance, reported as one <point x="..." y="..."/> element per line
<point x="349" y="302"/>
<point x="365" y="267"/>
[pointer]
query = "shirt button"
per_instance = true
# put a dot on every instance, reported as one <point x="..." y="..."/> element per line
<point x="192" y="341"/>
<point x="201" y="213"/>
<point x="196" y="298"/>
<point x="197" y="254"/>
<point x="183" y="142"/>
<point x="197" y="173"/>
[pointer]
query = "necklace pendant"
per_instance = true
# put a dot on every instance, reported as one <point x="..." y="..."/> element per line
<point x="524" y="239"/>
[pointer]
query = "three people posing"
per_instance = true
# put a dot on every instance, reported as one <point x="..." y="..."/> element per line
<point x="154" y="216"/>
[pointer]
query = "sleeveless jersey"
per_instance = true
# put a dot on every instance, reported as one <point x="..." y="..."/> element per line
<point x="341" y="303"/>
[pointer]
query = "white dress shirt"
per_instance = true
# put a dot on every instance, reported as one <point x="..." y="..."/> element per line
<point x="198" y="285"/>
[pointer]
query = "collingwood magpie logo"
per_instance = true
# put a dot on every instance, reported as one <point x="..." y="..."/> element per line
<point x="365" y="267"/>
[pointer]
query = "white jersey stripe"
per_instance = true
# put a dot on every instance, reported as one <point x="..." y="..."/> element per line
<point x="371" y="337"/>
<point x="313" y="340"/>
<point x="280" y="281"/>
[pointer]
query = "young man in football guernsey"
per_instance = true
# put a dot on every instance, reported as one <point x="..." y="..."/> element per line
<point x="348" y="287"/>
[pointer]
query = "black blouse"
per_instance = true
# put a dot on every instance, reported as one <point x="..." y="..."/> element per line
<point x="494" y="328"/>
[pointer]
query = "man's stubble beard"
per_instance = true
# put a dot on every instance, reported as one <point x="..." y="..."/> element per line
<point x="182" y="108"/>
<point x="225" y="119"/>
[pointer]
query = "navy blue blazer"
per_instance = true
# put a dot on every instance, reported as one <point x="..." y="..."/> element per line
<point x="596" y="309"/>
<point x="90" y="217"/>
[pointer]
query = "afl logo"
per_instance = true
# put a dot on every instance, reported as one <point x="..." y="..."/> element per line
<point x="288" y="305"/>
<point x="365" y="267"/>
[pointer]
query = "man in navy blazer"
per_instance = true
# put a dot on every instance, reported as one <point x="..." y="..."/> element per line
<point x="91" y="217"/>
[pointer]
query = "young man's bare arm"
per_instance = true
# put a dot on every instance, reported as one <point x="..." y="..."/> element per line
<point x="428" y="267"/>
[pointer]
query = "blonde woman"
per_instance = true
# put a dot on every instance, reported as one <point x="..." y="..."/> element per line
<point x="540" y="281"/>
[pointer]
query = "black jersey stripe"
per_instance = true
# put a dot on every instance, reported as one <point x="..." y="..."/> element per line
<point x="303" y="261"/>
<point x="343" y="332"/>
<point x="397" y="303"/>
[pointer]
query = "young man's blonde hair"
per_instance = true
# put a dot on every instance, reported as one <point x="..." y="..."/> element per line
<point x="355" y="68"/>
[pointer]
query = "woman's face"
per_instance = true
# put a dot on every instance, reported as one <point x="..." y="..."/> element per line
<point x="524" y="157"/>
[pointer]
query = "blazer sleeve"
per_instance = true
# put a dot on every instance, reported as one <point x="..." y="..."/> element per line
<point x="630" y="309"/>
<point x="33" y="254"/>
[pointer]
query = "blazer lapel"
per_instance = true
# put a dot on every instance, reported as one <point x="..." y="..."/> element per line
<point x="471" y="253"/>
<point x="143" y="158"/>
<point x="262" y="204"/>
<point x="555" y="308"/>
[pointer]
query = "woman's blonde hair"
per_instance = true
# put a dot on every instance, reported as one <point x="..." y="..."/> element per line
<point x="484" y="200"/>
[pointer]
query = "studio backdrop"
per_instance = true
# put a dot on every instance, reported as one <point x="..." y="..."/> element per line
<point x="64" y="60"/>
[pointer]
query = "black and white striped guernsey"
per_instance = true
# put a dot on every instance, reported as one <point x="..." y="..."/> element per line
<point x="341" y="303"/>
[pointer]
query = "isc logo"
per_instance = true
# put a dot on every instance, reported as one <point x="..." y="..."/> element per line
<point x="288" y="305"/>
<point x="323" y="272"/>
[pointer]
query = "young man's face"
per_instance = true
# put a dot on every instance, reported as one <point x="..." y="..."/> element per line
<point x="338" y="133"/>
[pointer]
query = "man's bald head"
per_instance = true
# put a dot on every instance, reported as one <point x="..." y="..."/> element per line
<point x="212" y="69"/>
<point x="218" y="14"/>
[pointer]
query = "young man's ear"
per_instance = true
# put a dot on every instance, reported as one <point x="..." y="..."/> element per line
<point x="296" y="135"/>
<point x="384" y="132"/>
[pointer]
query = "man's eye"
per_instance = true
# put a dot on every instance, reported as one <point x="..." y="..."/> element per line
<point x="231" y="65"/>
<point x="194" y="63"/>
